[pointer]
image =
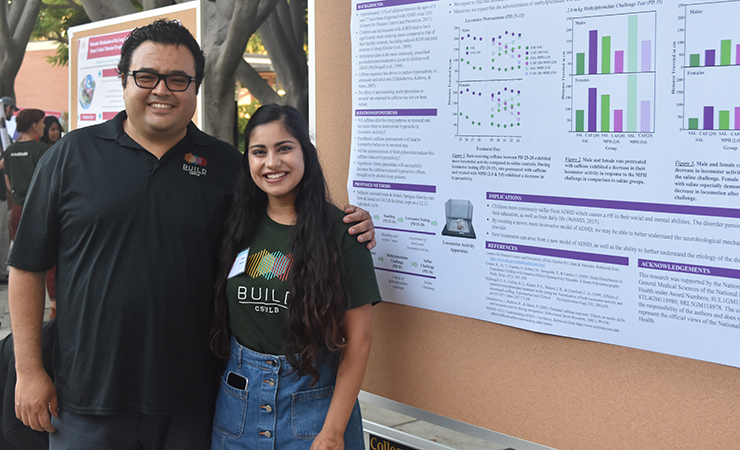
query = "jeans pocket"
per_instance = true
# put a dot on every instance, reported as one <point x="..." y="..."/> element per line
<point x="308" y="411"/>
<point x="231" y="410"/>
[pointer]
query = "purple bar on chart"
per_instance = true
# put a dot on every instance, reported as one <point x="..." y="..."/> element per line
<point x="646" y="56"/>
<point x="709" y="117"/>
<point x="645" y="116"/>
<point x="709" y="58"/>
<point x="591" y="109"/>
<point x="737" y="118"/>
<point x="593" y="51"/>
<point x="618" y="121"/>
<point x="619" y="61"/>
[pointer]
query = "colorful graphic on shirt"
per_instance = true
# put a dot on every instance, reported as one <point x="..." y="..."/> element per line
<point x="269" y="265"/>
<point x="195" y="159"/>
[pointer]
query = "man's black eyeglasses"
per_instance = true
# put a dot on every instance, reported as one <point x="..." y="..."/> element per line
<point x="150" y="80"/>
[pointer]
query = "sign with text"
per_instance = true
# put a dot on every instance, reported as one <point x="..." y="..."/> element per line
<point x="564" y="167"/>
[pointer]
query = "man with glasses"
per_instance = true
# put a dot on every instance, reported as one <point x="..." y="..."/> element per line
<point x="133" y="209"/>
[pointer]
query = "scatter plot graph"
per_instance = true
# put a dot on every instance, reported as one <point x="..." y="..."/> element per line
<point x="491" y="66"/>
<point x="487" y="108"/>
<point x="485" y="55"/>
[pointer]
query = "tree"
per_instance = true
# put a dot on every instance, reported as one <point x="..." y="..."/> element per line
<point x="284" y="34"/>
<point x="224" y="47"/>
<point x="17" y="18"/>
<point x="55" y="18"/>
<point x="108" y="9"/>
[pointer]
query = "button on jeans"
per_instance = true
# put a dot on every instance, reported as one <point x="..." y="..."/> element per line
<point x="262" y="405"/>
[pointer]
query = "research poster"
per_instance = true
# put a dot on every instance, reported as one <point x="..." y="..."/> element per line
<point x="565" y="167"/>
<point x="95" y="89"/>
<point x="99" y="91"/>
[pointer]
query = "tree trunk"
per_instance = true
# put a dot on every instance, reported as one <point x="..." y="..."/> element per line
<point x="107" y="9"/>
<point x="16" y="24"/>
<point x="224" y="48"/>
<point x="283" y="33"/>
<point x="153" y="4"/>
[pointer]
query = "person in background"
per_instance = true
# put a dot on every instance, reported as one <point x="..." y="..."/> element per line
<point x="5" y="205"/>
<point x="21" y="159"/>
<point x="52" y="131"/>
<point x="294" y="294"/>
<point x="10" y="110"/>
<point x="132" y="212"/>
<point x="15" y="435"/>
<point x="4" y="226"/>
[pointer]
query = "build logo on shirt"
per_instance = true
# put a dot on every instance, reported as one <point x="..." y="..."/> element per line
<point x="195" y="165"/>
<point x="269" y="265"/>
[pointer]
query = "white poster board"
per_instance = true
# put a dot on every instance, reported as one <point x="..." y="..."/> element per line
<point x="565" y="167"/>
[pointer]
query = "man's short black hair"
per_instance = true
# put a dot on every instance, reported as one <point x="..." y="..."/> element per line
<point x="164" y="32"/>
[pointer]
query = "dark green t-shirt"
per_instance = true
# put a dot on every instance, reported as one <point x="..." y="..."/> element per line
<point x="20" y="162"/>
<point x="258" y="288"/>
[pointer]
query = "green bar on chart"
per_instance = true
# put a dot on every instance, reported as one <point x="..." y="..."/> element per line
<point x="632" y="44"/>
<point x="693" y="124"/>
<point x="605" y="113"/>
<point x="695" y="60"/>
<point x="580" y="63"/>
<point x="606" y="54"/>
<point x="579" y="120"/>
<point x="725" y="52"/>
<point x="724" y="120"/>
<point x="631" y="103"/>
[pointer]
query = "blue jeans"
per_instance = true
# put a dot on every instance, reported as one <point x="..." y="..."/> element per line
<point x="262" y="405"/>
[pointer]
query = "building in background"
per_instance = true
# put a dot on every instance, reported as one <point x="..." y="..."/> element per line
<point x="41" y="85"/>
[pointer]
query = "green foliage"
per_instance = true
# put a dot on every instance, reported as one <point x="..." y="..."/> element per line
<point x="55" y="18"/>
<point x="255" y="45"/>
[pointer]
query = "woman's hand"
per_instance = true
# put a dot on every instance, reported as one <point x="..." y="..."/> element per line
<point x="327" y="441"/>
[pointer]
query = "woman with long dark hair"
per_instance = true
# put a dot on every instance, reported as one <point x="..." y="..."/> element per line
<point x="293" y="300"/>
<point x="52" y="131"/>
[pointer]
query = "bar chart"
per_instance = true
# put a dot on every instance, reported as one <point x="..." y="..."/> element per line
<point x="614" y="44"/>
<point x="711" y="64"/>
<point x="613" y="73"/>
<point x="614" y="105"/>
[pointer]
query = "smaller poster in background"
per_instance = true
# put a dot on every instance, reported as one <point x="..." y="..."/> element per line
<point x="99" y="90"/>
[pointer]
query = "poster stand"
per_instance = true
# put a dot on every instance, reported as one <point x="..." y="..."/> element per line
<point x="392" y="434"/>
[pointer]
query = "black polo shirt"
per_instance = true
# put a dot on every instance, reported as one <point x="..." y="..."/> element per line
<point x="136" y="239"/>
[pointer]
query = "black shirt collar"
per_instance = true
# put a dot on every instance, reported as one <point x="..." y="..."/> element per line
<point x="113" y="130"/>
